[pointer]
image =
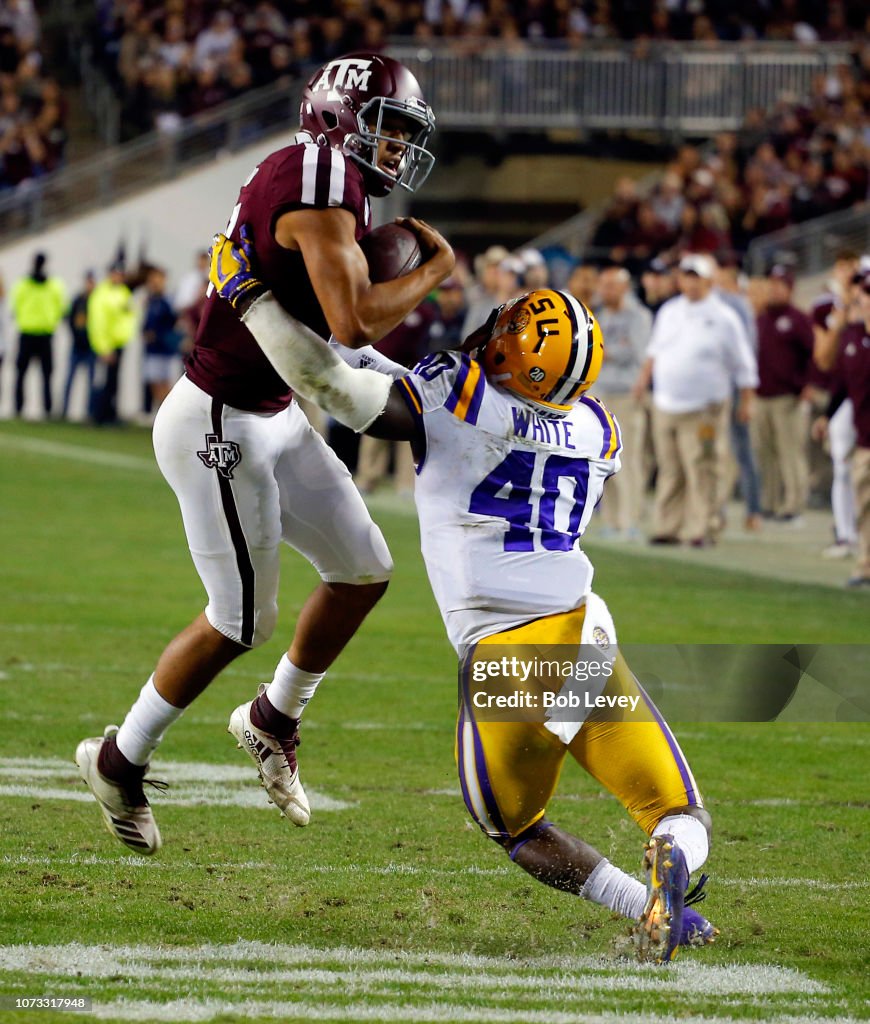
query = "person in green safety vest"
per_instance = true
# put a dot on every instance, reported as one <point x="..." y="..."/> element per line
<point x="38" y="304"/>
<point x="111" y="325"/>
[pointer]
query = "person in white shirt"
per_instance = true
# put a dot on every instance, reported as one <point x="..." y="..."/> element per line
<point x="698" y="352"/>
<point x="626" y="326"/>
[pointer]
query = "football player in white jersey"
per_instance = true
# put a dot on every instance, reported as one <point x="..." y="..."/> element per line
<point x="512" y="455"/>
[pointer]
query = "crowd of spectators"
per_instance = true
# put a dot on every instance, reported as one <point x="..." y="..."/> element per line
<point x="172" y="58"/>
<point x="799" y="162"/>
<point x="33" y="111"/>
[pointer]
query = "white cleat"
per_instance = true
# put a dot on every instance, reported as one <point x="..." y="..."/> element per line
<point x="275" y="758"/>
<point x="126" y="812"/>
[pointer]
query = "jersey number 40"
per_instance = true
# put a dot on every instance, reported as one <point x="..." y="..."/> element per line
<point x="506" y="493"/>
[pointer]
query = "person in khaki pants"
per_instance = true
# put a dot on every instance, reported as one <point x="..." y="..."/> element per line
<point x="698" y="353"/>
<point x="779" y="426"/>
<point x="626" y="326"/>
<point x="852" y="378"/>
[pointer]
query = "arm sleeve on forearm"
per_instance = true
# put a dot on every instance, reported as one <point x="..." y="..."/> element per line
<point x="355" y="397"/>
<point x="369" y="358"/>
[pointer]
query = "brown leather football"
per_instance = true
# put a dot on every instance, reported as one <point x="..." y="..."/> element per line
<point x="391" y="251"/>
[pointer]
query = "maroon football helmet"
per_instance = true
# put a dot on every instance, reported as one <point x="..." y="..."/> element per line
<point x="352" y="102"/>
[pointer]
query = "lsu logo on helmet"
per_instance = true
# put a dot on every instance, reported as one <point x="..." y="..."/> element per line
<point x="545" y="347"/>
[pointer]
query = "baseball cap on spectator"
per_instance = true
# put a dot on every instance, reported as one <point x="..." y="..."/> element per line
<point x="658" y="266"/>
<point x="513" y="264"/>
<point x="531" y="258"/>
<point x="494" y="254"/>
<point x="698" y="263"/>
<point x="780" y="272"/>
<point x="449" y="283"/>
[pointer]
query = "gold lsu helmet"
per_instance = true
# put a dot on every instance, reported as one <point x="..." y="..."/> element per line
<point x="545" y="347"/>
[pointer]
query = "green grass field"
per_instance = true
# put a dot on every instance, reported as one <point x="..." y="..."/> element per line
<point x="391" y="905"/>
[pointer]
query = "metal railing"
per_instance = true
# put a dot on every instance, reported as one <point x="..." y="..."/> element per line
<point x="676" y="89"/>
<point x="153" y="159"/>
<point x="812" y="247"/>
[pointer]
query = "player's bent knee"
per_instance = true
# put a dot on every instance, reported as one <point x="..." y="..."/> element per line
<point x="362" y="594"/>
<point x="246" y="636"/>
<point x="694" y="811"/>
<point x="513" y="844"/>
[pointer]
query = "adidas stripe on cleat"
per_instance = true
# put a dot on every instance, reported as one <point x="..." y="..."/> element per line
<point x="275" y="758"/>
<point x="125" y="810"/>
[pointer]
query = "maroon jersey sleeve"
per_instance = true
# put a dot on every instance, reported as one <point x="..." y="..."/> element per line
<point x="316" y="177"/>
<point x="226" y="361"/>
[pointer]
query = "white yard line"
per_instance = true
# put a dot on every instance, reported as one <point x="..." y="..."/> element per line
<point x="193" y="784"/>
<point x="389" y="869"/>
<point x="374" y="980"/>
<point x="64" y="450"/>
<point x="436" y="1013"/>
<point x="353" y="966"/>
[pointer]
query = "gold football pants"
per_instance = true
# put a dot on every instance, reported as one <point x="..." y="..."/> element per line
<point x="509" y="770"/>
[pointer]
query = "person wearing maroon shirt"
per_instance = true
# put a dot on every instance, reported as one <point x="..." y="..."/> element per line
<point x="785" y="352"/>
<point x="247" y="469"/>
<point x="852" y="374"/>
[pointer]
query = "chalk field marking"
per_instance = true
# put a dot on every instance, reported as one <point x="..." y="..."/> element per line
<point x="192" y="784"/>
<point x="431" y="1013"/>
<point x="376" y="984"/>
<point x="360" y="969"/>
<point x="389" y="869"/>
<point x="94" y="456"/>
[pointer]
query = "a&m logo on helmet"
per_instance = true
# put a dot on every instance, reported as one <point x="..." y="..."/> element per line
<point x="344" y="74"/>
<point x="547" y="348"/>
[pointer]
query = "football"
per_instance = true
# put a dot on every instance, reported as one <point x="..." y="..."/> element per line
<point x="391" y="251"/>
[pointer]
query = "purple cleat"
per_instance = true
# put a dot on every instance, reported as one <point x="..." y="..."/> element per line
<point x="658" y="933"/>
<point x="696" y="930"/>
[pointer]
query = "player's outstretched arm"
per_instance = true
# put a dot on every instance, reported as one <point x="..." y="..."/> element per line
<point x="358" y="398"/>
<point x="357" y="311"/>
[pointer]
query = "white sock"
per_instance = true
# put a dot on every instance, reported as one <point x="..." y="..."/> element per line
<point x="610" y="887"/>
<point x="291" y="689"/>
<point x="691" y="837"/>
<point x="145" y="724"/>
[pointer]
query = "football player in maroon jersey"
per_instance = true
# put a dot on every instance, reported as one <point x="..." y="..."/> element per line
<point x="247" y="469"/>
